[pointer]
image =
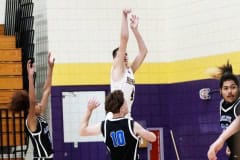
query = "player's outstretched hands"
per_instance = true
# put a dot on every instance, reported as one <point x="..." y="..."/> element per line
<point x="93" y="104"/>
<point x="30" y="67"/>
<point x="126" y="11"/>
<point x="134" y="20"/>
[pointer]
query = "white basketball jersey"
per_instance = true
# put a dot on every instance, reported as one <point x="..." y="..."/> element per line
<point x="127" y="85"/>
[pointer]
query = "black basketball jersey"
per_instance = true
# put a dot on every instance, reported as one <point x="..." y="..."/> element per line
<point x="228" y="113"/>
<point x="120" y="139"/>
<point x="41" y="140"/>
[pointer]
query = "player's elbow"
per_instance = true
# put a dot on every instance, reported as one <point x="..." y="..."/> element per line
<point x="153" y="138"/>
<point x="149" y="136"/>
<point x="82" y="132"/>
<point x="144" y="51"/>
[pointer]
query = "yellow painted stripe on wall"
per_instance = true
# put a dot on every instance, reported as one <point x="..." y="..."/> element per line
<point x="149" y="73"/>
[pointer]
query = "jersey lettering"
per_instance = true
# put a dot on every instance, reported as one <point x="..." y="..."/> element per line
<point x="130" y="81"/>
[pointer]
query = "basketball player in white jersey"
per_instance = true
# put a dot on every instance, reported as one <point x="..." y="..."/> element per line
<point x="122" y="74"/>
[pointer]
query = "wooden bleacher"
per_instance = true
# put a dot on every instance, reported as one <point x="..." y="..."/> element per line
<point x="7" y="42"/>
<point x="1" y="29"/>
<point x="11" y="79"/>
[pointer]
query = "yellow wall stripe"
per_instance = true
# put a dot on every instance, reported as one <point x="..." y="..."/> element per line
<point x="149" y="73"/>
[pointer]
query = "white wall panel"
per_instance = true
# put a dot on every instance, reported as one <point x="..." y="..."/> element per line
<point x="87" y="31"/>
<point x="2" y="11"/>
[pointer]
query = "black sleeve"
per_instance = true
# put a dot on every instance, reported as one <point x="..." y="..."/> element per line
<point x="102" y="127"/>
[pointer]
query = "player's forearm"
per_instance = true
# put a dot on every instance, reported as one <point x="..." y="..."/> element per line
<point x="232" y="129"/>
<point x="141" y="44"/>
<point x="31" y="92"/>
<point x="124" y="28"/>
<point x="84" y="123"/>
<point x="48" y="82"/>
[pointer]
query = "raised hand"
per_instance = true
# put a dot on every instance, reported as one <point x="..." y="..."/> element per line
<point x="126" y="11"/>
<point x="93" y="104"/>
<point x="30" y="67"/>
<point x="134" y="20"/>
<point x="51" y="60"/>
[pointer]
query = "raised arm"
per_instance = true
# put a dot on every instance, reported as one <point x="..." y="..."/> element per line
<point x="141" y="45"/>
<point x="47" y="84"/>
<point x="147" y="135"/>
<point x="31" y="118"/>
<point x="119" y="63"/>
<point x="85" y="129"/>
<point x="218" y="144"/>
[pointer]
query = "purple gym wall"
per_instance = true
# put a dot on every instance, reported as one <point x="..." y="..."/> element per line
<point x="194" y="122"/>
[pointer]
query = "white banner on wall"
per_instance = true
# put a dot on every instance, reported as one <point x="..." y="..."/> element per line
<point x="74" y="107"/>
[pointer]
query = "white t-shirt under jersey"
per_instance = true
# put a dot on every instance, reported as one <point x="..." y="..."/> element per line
<point x="127" y="85"/>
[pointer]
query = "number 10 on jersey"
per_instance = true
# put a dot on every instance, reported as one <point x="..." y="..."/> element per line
<point x="118" y="138"/>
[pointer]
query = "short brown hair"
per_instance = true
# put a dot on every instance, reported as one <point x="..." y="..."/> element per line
<point x="114" y="52"/>
<point x="114" y="101"/>
<point x="20" y="101"/>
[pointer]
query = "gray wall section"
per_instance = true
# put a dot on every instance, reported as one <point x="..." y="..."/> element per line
<point x="194" y="122"/>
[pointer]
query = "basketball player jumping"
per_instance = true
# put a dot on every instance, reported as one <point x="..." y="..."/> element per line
<point x="122" y="74"/>
<point x="36" y="124"/>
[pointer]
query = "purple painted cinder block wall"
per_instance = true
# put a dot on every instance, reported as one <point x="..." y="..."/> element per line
<point x="193" y="121"/>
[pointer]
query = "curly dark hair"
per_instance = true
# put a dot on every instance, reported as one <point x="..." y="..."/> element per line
<point x="114" y="101"/>
<point x="227" y="74"/>
<point x="19" y="101"/>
